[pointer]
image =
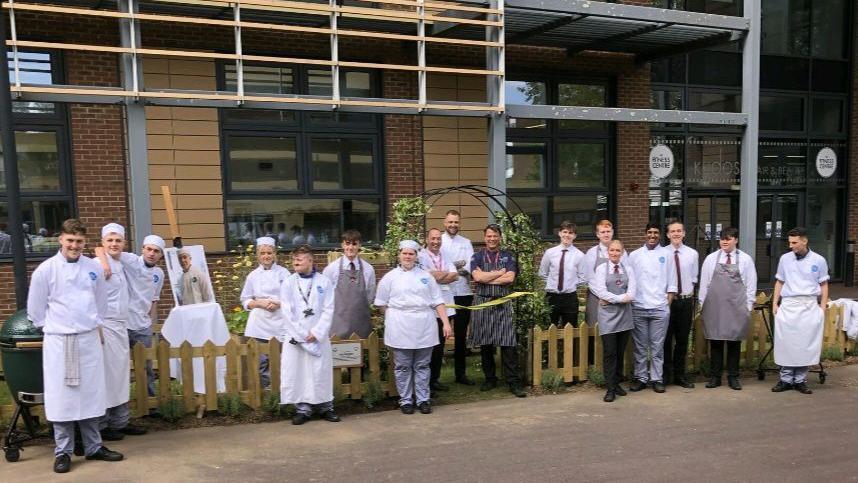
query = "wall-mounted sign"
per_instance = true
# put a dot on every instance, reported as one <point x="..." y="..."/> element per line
<point x="826" y="162"/>
<point x="660" y="161"/>
<point x="347" y="354"/>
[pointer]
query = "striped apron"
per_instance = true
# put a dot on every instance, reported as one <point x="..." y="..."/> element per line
<point x="492" y="325"/>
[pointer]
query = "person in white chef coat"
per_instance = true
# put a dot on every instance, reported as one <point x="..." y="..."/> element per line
<point x="459" y="250"/>
<point x="444" y="271"/>
<point x="67" y="300"/>
<point x="261" y="297"/>
<point x="728" y="280"/>
<point x="307" y="307"/>
<point x="411" y="300"/>
<point x="117" y="356"/>
<point x="798" y="302"/>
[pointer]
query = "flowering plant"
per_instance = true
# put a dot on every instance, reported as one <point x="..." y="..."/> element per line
<point x="229" y="275"/>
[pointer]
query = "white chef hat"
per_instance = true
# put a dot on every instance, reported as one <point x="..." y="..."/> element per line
<point x="112" y="228"/>
<point x="409" y="244"/>
<point x="265" y="240"/>
<point x="154" y="240"/>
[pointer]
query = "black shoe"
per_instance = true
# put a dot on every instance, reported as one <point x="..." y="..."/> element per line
<point x="658" y="387"/>
<point x="407" y="409"/>
<point x="489" y="385"/>
<point x="713" y="382"/>
<point x="802" y="388"/>
<point x="782" y="386"/>
<point x="108" y="434"/>
<point x="734" y="383"/>
<point x="467" y="381"/>
<point x="437" y="386"/>
<point x="299" y="419"/>
<point x="133" y="430"/>
<point x="610" y="396"/>
<point x="683" y="382"/>
<point x="637" y="386"/>
<point x="619" y="391"/>
<point x="104" y="454"/>
<point x="62" y="464"/>
<point x="425" y="408"/>
<point x="331" y="416"/>
<point x="517" y="390"/>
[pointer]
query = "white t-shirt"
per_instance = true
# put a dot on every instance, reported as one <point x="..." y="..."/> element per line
<point x="802" y="277"/>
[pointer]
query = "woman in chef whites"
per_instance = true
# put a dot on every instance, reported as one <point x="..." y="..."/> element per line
<point x="411" y="299"/>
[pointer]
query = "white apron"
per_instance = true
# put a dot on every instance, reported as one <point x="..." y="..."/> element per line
<point x="798" y="332"/>
<point x="309" y="379"/>
<point x="74" y="403"/>
<point x="263" y="324"/>
<point x="117" y="362"/>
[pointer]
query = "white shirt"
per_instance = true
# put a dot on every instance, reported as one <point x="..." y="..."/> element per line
<point x="410" y="297"/>
<point x="689" y="267"/>
<point x="747" y="271"/>
<point x="802" y="277"/>
<point x="117" y="292"/>
<point x="573" y="268"/>
<point x="144" y="285"/>
<point x="594" y="253"/>
<point x="67" y="298"/>
<point x="658" y="276"/>
<point x="332" y="271"/>
<point x="599" y="286"/>
<point x="429" y="262"/>
<point x="455" y="249"/>
<point x="263" y="284"/>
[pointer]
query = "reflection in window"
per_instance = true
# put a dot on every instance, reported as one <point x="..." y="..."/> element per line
<point x="38" y="161"/>
<point x="33" y="68"/>
<point x="781" y="113"/>
<point x="586" y="95"/>
<point x="583" y="210"/>
<point x="665" y="194"/>
<point x="342" y="164"/>
<point x="714" y="102"/>
<point x="785" y="27"/>
<point x="530" y="93"/>
<point x="525" y="165"/>
<point x="827" y="116"/>
<point x="262" y="163"/>
<point x="580" y="165"/>
<point x="534" y="207"/>
<point x="828" y="30"/>
<point x="713" y="162"/>
<point x="823" y="226"/>
<point x="782" y="163"/>
<point x="41" y="224"/>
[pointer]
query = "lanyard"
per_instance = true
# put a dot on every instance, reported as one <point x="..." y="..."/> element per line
<point x="436" y="261"/>
<point x="489" y="260"/>
<point x="308" y="311"/>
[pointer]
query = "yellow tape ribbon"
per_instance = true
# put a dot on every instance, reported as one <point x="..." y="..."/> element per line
<point x="491" y="303"/>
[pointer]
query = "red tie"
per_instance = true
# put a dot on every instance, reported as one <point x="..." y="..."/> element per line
<point x="728" y="259"/>
<point x="678" y="272"/>
<point x="560" y="274"/>
<point x="617" y="269"/>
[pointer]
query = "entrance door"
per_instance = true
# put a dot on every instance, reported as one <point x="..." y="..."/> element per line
<point x="705" y="217"/>
<point x="777" y="213"/>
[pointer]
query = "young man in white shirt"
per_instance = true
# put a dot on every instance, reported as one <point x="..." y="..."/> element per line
<point x="595" y="257"/>
<point x="459" y="250"/>
<point x="686" y="265"/>
<point x="653" y="266"/>
<point x="562" y="269"/>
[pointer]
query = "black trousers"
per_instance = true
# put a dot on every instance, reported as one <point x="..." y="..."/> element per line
<point x="716" y="357"/>
<point x="460" y="332"/>
<point x="438" y="354"/>
<point x="509" y="360"/>
<point x="613" y="352"/>
<point x="676" y="340"/>
<point x="564" y="306"/>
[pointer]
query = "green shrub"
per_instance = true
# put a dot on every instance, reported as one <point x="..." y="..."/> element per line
<point x="595" y="376"/>
<point x="552" y="380"/>
<point x="833" y="353"/>
<point x="271" y="403"/>
<point x="372" y="394"/>
<point x="172" y="409"/>
<point x="230" y="405"/>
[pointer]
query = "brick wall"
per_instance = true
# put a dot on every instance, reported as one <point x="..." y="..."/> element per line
<point x="632" y="175"/>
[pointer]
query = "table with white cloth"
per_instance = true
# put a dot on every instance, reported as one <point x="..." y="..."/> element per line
<point x="197" y="324"/>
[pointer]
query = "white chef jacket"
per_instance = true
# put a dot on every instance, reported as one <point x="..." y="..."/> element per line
<point x="574" y="271"/>
<point x="597" y="251"/>
<point x="689" y="267"/>
<point x="410" y="297"/>
<point x="144" y="285"/>
<point x="454" y="249"/>
<point x="802" y="277"/>
<point x="428" y="263"/>
<point x="117" y="292"/>
<point x="747" y="270"/>
<point x="599" y="283"/>
<point x="332" y="271"/>
<point x="263" y="284"/>
<point x="67" y="298"/>
<point x="658" y="276"/>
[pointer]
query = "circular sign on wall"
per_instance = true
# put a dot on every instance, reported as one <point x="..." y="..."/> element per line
<point x="660" y="161"/>
<point x="826" y="162"/>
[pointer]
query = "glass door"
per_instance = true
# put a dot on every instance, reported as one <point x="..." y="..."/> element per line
<point x="705" y="217"/>
<point x="777" y="213"/>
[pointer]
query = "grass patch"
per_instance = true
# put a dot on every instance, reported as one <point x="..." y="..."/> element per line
<point x="230" y="405"/>
<point x="833" y="353"/>
<point x="552" y="380"/>
<point x="5" y="395"/>
<point x="373" y="394"/>
<point x="271" y="403"/>
<point x="460" y="393"/>
<point x="595" y="376"/>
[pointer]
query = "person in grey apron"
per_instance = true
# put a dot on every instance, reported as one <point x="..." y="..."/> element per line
<point x="354" y="289"/>
<point x="494" y="272"/>
<point x="615" y="287"/>
<point x="594" y="258"/>
<point x="727" y="284"/>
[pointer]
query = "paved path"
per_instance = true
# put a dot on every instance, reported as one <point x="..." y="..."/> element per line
<point x="683" y="435"/>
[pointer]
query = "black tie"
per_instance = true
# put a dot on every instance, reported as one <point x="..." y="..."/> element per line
<point x="352" y="266"/>
<point x="560" y="274"/>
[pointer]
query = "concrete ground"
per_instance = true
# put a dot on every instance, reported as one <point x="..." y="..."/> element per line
<point x="683" y="435"/>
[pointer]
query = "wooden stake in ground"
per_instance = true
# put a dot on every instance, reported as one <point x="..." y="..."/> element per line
<point x="171" y="215"/>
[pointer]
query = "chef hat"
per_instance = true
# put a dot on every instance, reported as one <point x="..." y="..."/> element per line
<point x="154" y="240"/>
<point x="265" y="240"/>
<point x="112" y="228"/>
<point x="409" y="244"/>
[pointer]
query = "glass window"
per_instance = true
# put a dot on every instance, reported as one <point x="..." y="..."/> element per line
<point x="782" y="163"/>
<point x="529" y="93"/>
<point x="262" y="163"/>
<point x="820" y="172"/>
<point x="33" y="68"/>
<point x="533" y="206"/>
<point x="828" y="29"/>
<point x="781" y="113"/>
<point x="823" y="225"/>
<point x="787" y="73"/>
<point x="701" y="67"/>
<point x="583" y="210"/>
<point x="580" y="165"/>
<point x="587" y="95"/>
<point x="525" y="165"/>
<point x="830" y="76"/>
<point x="665" y="194"/>
<point x="42" y="220"/>
<point x="720" y="7"/>
<point x="666" y="99"/>
<point x="38" y="161"/>
<point x="670" y="69"/>
<point x="714" y="101"/>
<point x="785" y="27"/>
<point x="827" y="116"/>
<point x="342" y="164"/>
<point x="260" y="79"/>
<point x="713" y="162"/>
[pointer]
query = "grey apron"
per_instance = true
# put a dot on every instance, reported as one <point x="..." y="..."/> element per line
<point x="592" y="309"/>
<point x="615" y="318"/>
<point x="351" y="310"/>
<point x="725" y="310"/>
<point x="492" y="325"/>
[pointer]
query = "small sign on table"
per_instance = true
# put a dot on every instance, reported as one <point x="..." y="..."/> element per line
<point x="347" y="354"/>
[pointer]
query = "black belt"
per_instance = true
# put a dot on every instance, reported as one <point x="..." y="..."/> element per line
<point x="684" y="297"/>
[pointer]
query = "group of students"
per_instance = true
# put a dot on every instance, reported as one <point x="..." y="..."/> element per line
<point x="652" y="294"/>
<point x="92" y="311"/>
